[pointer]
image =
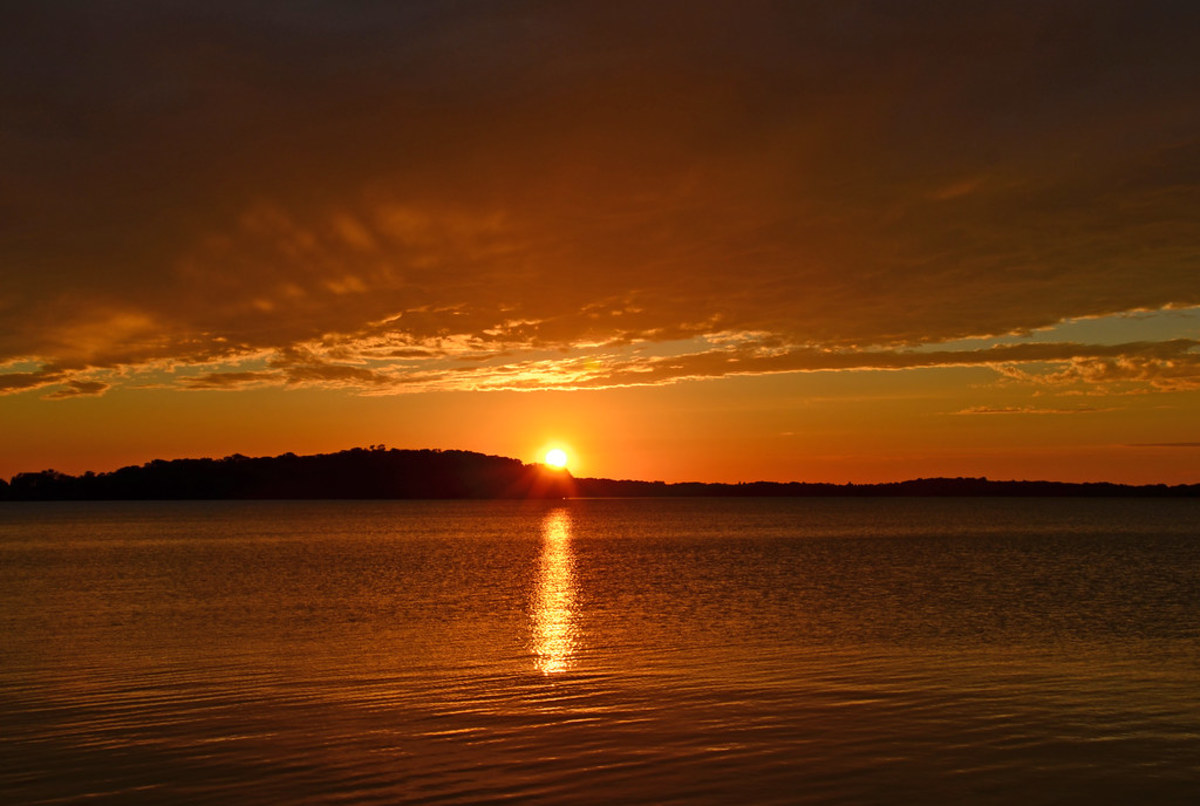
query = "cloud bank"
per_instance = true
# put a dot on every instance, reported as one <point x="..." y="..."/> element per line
<point x="548" y="195"/>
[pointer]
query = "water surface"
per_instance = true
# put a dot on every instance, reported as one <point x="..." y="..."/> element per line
<point x="811" y="651"/>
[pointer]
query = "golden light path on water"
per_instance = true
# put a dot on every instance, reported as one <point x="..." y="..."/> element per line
<point x="553" y="619"/>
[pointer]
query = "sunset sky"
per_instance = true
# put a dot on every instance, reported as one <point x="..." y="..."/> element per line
<point x="718" y="241"/>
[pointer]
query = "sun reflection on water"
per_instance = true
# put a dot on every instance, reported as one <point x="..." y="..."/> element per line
<point x="553" y="627"/>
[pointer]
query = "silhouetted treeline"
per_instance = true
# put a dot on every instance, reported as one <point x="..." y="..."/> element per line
<point x="357" y="473"/>
<point x="380" y="473"/>
<point x="960" y="487"/>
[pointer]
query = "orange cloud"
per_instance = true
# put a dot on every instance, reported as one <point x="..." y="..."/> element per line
<point x="365" y="193"/>
<point x="79" y="389"/>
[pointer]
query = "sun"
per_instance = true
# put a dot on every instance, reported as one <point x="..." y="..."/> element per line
<point x="556" y="458"/>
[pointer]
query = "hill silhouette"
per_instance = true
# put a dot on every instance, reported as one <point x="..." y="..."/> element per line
<point x="358" y="473"/>
<point x="379" y="473"/>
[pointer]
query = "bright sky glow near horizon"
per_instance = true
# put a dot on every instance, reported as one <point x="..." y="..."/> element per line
<point x="715" y="241"/>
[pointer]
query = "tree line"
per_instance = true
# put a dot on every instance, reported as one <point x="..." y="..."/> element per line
<point x="358" y="473"/>
<point x="379" y="473"/>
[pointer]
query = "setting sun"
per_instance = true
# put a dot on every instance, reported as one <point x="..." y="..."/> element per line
<point x="556" y="458"/>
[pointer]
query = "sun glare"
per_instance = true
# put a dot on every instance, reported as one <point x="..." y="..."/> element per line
<point x="556" y="458"/>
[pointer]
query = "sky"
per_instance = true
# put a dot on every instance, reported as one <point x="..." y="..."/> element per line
<point x="715" y="241"/>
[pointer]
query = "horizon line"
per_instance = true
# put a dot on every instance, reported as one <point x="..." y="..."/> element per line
<point x="381" y="448"/>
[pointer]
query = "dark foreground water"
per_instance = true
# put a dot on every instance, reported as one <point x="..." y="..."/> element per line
<point x="806" y="651"/>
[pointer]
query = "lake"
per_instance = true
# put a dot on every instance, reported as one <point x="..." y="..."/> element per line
<point x="712" y="650"/>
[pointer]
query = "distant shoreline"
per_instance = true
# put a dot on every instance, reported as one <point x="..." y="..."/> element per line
<point x="380" y="474"/>
<point x="914" y="488"/>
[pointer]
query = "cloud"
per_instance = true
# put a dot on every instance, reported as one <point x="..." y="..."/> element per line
<point x="305" y="367"/>
<point x="79" y="389"/>
<point x="1159" y="369"/>
<point x="753" y="360"/>
<point x="382" y="187"/>
<point x="13" y="382"/>
<point x="758" y="357"/>
<point x="1165" y="445"/>
<point x="975" y="410"/>
<point x="230" y="380"/>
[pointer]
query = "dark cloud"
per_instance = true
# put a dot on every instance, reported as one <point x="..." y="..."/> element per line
<point x="79" y="389"/>
<point x="231" y="380"/>
<point x="304" y="367"/>
<point x="23" y="381"/>
<point x="377" y="186"/>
